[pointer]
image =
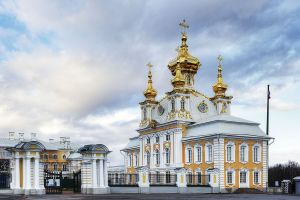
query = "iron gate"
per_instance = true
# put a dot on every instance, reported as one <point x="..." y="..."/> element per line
<point x="77" y="181"/>
<point x="5" y="176"/>
<point x="52" y="182"/>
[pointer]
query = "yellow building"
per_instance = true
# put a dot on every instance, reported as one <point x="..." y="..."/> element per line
<point x="187" y="130"/>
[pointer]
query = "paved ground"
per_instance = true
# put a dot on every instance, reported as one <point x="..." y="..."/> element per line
<point x="157" y="197"/>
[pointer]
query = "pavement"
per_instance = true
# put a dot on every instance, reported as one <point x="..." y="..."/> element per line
<point x="155" y="196"/>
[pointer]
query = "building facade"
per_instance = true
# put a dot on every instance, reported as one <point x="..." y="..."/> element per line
<point x="190" y="131"/>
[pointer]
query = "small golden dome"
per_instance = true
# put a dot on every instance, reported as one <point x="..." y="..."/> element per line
<point x="219" y="87"/>
<point x="150" y="93"/>
<point x="178" y="80"/>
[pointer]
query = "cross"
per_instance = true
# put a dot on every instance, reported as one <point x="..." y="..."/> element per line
<point x="220" y="59"/>
<point x="150" y="66"/>
<point x="184" y="26"/>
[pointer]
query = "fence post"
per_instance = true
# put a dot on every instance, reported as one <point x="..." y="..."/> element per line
<point x="181" y="180"/>
<point x="144" y="183"/>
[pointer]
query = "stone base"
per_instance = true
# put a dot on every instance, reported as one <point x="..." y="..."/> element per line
<point x="29" y="191"/>
<point x="104" y="190"/>
<point x="145" y="190"/>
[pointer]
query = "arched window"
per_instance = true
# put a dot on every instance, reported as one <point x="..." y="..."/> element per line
<point x="256" y="153"/>
<point x="182" y="104"/>
<point x="198" y="153"/>
<point x="136" y="160"/>
<point x="157" y="157"/>
<point x="148" y="158"/>
<point x="144" y="113"/>
<point x="230" y="149"/>
<point x="189" y="155"/>
<point x="173" y="105"/>
<point x="167" y="156"/>
<point x="64" y="157"/>
<point x="244" y="153"/>
<point x="188" y="79"/>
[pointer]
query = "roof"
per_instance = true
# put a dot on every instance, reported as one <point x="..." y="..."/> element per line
<point x="133" y="143"/>
<point x="74" y="156"/>
<point x="225" y="124"/>
<point x="6" y="142"/>
<point x="101" y="148"/>
<point x="25" y="145"/>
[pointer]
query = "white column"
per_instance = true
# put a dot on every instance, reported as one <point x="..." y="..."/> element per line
<point x="141" y="153"/>
<point x="17" y="173"/>
<point x="105" y="173"/>
<point x="28" y="174"/>
<point x="24" y="173"/>
<point x="101" y="172"/>
<point x="36" y="173"/>
<point x="161" y="150"/>
<point x="94" y="169"/>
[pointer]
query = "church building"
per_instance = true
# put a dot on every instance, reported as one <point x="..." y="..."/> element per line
<point x="188" y="130"/>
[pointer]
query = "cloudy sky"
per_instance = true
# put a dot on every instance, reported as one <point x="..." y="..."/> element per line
<point x="77" y="68"/>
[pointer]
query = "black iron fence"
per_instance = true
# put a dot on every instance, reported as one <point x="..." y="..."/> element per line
<point x="123" y="179"/>
<point x="5" y="178"/>
<point x="197" y="180"/>
<point x="162" y="179"/>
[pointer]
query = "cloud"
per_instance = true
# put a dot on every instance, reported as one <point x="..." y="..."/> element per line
<point x="78" y="68"/>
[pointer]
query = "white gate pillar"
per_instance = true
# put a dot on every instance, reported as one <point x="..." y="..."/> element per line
<point x="94" y="179"/>
<point x="144" y="182"/>
<point x="28" y="172"/>
<point x="181" y="180"/>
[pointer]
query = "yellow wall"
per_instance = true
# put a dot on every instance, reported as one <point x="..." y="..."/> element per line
<point x="203" y="166"/>
<point x="237" y="165"/>
<point x="59" y="161"/>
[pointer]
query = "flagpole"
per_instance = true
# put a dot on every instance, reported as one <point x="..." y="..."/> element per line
<point x="268" y="99"/>
<point x="267" y="132"/>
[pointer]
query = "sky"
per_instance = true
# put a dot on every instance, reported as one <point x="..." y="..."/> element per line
<point x="78" y="68"/>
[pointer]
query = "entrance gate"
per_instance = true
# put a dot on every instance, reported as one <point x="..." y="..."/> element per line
<point x="52" y="182"/>
<point x="55" y="183"/>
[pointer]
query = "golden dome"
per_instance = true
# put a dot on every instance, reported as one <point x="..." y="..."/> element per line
<point x="219" y="87"/>
<point x="186" y="61"/>
<point x="150" y="93"/>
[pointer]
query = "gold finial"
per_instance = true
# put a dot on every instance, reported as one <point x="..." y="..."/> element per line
<point x="149" y="65"/>
<point x="220" y="59"/>
<point x="184" y="26"/>
<point x="219" y="88"/>
<point x="150" y="93"/>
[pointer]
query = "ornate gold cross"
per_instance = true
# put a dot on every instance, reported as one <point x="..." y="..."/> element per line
<point x="184" y="25"/>
<point x="220" y="59"/>
<point x="149" y="66"/>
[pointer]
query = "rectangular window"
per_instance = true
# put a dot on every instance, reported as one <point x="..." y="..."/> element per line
<point x="243" y="152"/>
<point x="255" y="152"/>
<point x="148" y="140"/>
<point x="243" y="177"/>
<point x="256" y="177"/>
<point x="198" y="150"/>
<point x="229" y="153"/>
<point x="189" y="159"/>
<point x="209" y="148"/>
<point x="229" y="177"/>
<point x="64" y="167"/>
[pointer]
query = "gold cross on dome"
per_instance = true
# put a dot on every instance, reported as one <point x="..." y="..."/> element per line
<point x="149" y="66"/>
<point x="220" y="59"/>
<point x="184" y="25"/>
